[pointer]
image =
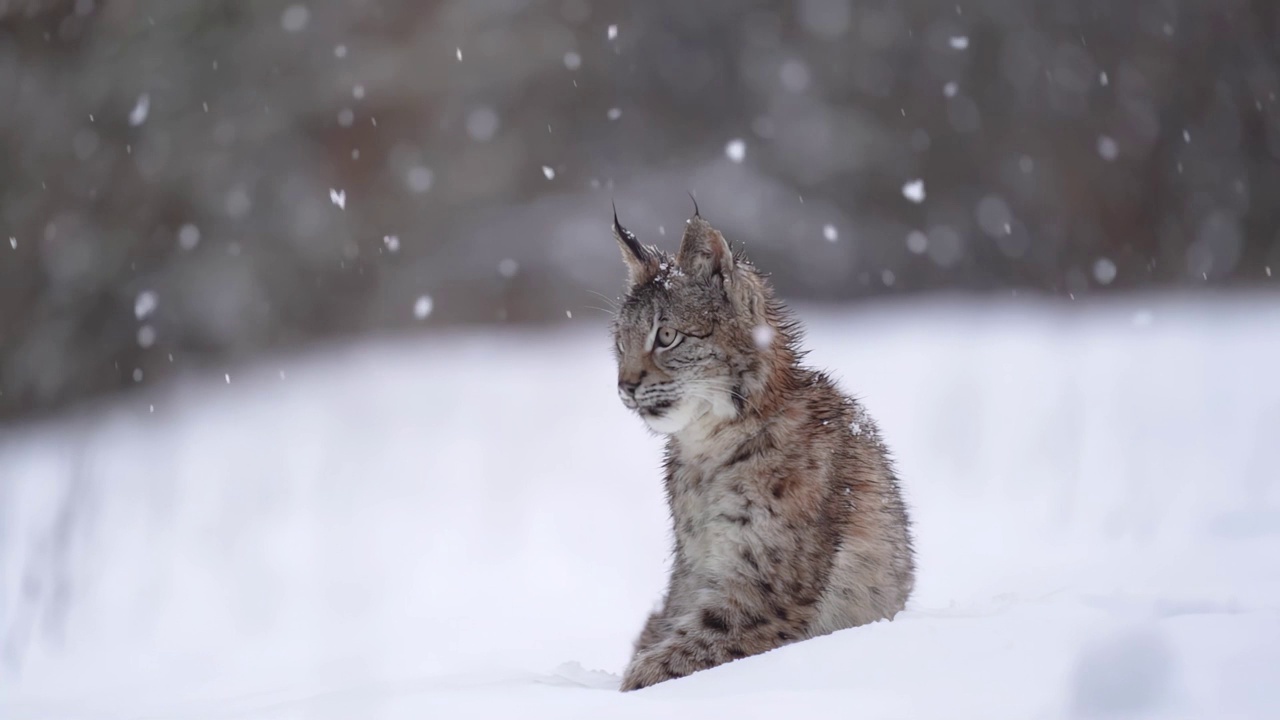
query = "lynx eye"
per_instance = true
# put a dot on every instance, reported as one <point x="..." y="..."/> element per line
<point x="667" y="337"/>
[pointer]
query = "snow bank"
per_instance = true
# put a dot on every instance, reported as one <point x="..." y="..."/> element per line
<point x="470" y="525"/>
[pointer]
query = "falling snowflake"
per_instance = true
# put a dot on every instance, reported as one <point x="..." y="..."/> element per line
<point x="339" y="198"/>
<point x="959" y="42"/>
<point x="917" y="242"/>
<point x="572" y="60"/>
<point x="459" y="54"/>
<point x="146" y="336"/>
<point x="295" y="18"/>
<point x="422" y="307"/>
<point x="420" y="179"/>
<point x="508" y="268"/>
<point x="392" y="242"/>
<point x="830" y="233"/>
<point x="1104" y="271"/>
<point x="763" y="336"/>
<point x="1103" y="80"/>
<point x="1108" y="148"/>
<point x="141" y="109"/>
<point x="188" y="236"/>
<point x="549" y="172"/>
<point x="613" y="32"/>
<point x="736" y="149"/>
<point x="914" y="191"/>
<point x="614" y="113"/>
<point x="13" y="243"/>
<point x="950" y="89"/>
<point x="145" y="304"/>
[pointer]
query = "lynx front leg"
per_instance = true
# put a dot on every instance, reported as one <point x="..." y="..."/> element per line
<point x="659" y="626"/>
<point x="656" y="629"/>
<point x="713" y="635"/>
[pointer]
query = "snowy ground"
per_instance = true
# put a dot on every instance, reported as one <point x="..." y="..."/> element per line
<point x="471" y="526"/>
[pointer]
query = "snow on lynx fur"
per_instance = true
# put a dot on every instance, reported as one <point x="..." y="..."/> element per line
<point x="786" y="512"/>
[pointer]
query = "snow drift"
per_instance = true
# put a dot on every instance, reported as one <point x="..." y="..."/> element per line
<point x="470" y="525"/>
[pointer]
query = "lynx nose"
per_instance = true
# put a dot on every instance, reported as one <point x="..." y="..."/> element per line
<point x="627" y="389"/>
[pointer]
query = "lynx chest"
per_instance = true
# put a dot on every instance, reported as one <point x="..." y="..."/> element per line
<point x="715" y="519"/>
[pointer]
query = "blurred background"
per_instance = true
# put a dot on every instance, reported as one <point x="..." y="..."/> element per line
<point x="187" y="185"/>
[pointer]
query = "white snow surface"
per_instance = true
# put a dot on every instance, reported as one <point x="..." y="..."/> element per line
<point x="468" y="524"/>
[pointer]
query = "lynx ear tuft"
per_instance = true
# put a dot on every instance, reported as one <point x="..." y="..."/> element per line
<point x="639" y="259"/>
<point x="704" y="251"/>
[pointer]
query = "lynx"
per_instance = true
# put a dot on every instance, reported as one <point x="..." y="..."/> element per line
<point x="786" y="512"/>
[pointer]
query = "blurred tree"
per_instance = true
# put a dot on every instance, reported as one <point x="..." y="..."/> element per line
<point x="194" y="182"/>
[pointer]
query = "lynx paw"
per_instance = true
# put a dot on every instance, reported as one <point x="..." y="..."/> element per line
<point x="645" y="670"/>
<point x="666" y="661"/>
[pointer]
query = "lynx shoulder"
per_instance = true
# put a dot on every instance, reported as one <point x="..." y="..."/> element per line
<point x="787" y="515"/>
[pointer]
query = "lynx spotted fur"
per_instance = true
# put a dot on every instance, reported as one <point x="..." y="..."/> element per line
<point x="786" y="512"/>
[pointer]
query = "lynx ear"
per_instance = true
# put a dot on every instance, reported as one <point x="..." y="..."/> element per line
<point x="639" y="259"/>
<point x="704" y="251"/>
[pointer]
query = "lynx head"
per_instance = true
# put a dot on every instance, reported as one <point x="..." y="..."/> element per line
<point x="696" y="334"/>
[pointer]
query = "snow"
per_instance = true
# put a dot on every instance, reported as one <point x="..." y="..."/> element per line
<point x="392" y="243"/>
<point x="612" y="32"/>
<point x="1107" y="148"/>
<point x="548" y="172"/>
<point x="508" y="268"/>
<point x="13" y="242"/>
<point x="762" y="336"/>
<point x="572" y="60"/>
<point x="482" y="124"/>
<point x="736" y="150"/>
<point x="830" y="233"/>
<point x="913" y="190"/>
<point x="794" y="75"/>
<point x="469" y="525"/>
<point x="917" y="242"/>
<point x="188" y="236"/>
<point x="959" y="42"/>
<point x="295" y="18"/>
<point x="1104" y="271"/>
<point x="141" y="109"/>
<point x="338" y="197"/>
<point x="614" y="113"/>
<point x="145" y="303"/>
<point x="422" y="307"/>
<point x="146" y="336"/>
<point x="420" y="179"/>
<point x="458" y="53"/>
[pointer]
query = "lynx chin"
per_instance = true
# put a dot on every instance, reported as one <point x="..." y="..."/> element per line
<point x="786" y="511"/>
